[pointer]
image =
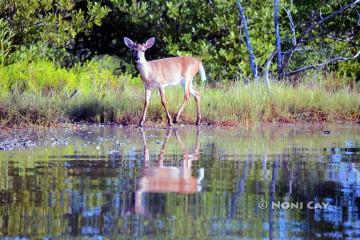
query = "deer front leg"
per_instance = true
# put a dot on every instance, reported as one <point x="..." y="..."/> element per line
<point x="146" y="104"/>
<point x="163" y="102"/>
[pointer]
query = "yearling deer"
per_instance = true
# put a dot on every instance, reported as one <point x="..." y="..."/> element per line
<point x="161" y="73"/>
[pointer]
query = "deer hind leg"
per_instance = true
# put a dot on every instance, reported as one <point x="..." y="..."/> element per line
<point x="196" y="95"/>
<point x="189" y="90"/>
<point x="177" y="116"/>
<point x="185" y="87"/>
<point x="163" y="102"/>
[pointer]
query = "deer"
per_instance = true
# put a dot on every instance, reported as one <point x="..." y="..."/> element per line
<point x="160" y="73"/>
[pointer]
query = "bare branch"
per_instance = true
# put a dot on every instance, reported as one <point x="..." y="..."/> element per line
<point x="292" y="26"/>
<point x="358" y="22"/>
<point x="322" y="20"/>
<point x="267" y="66"/>
<point x="315" y="66"/>
<point x="312" y="26"/>
<point x="300" y="49"/>
<point x="348" y="40"/>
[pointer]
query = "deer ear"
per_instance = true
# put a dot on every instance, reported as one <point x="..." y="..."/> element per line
<point x="150" y="42"/>
<point x="129" y="43"/>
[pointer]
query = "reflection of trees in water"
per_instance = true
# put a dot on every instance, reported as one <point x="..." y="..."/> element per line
<point x="306" y="177"/>
<point x="97" y="195"/>
<point x="84" y="191"/>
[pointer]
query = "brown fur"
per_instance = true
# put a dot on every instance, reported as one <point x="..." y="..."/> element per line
<point x="163" y="72"/>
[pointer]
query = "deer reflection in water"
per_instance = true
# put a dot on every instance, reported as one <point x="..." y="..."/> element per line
<point x="165" y="179"/>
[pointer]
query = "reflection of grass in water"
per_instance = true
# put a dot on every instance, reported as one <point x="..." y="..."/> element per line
<point x="256" y="141"/>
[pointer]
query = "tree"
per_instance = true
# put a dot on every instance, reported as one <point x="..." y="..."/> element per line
<point x="277" y="36"/>
<point x="52" y="23"/>
<point x="327" y="32"/>
<point x="247" y="39"/>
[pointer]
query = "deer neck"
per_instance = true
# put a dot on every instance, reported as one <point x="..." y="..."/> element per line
<point x="144" y="68"/>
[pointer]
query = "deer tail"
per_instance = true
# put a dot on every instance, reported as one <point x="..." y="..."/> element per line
<point x="202" y="72"/>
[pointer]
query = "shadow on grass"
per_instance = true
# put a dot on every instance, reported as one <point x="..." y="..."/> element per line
<point x="90" y="110"/>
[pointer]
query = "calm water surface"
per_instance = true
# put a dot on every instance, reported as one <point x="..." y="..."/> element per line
<point x="274" y="182"/>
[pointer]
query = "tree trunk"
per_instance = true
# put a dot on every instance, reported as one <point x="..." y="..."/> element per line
<point x="277" y="36"/>
<point x="247" y="40"/>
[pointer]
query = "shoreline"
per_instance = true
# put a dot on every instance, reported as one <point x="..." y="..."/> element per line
<point x="31" y="137"/>
<point x="190" y="123"/>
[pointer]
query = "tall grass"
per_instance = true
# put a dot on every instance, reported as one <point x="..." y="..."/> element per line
<point x="42" y="93"/>
<point x="30" y="109"/>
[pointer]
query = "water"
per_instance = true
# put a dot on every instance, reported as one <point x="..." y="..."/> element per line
<point x="185" y="183"/>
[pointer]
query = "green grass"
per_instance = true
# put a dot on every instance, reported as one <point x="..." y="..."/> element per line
<point x="39" y="93"/>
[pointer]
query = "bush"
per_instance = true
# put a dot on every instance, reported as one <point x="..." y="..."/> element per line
<point x="47" y="78"/>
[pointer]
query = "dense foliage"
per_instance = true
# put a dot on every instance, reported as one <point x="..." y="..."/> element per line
<point x="43" y="29"/>
<point x="212" y="30"/>
<point x="71" y="31"/>
<point x="338" y="36"/>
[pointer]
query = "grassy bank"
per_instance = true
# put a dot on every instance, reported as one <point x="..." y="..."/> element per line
<point x="43" y="94"/>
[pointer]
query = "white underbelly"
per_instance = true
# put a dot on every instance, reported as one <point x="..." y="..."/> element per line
<point x="156" y="84"/>
<point x="172" y="83"/>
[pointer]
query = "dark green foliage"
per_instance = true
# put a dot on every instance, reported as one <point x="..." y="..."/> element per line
<point x="207" y="29"/>
<point x="45" y="26"/>
<point x="339" y="36"/>
<point x="67" y="32"/>
<point x="212" y="31"/>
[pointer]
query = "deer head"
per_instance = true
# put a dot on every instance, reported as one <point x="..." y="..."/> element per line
<point x="138" y="50"/>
